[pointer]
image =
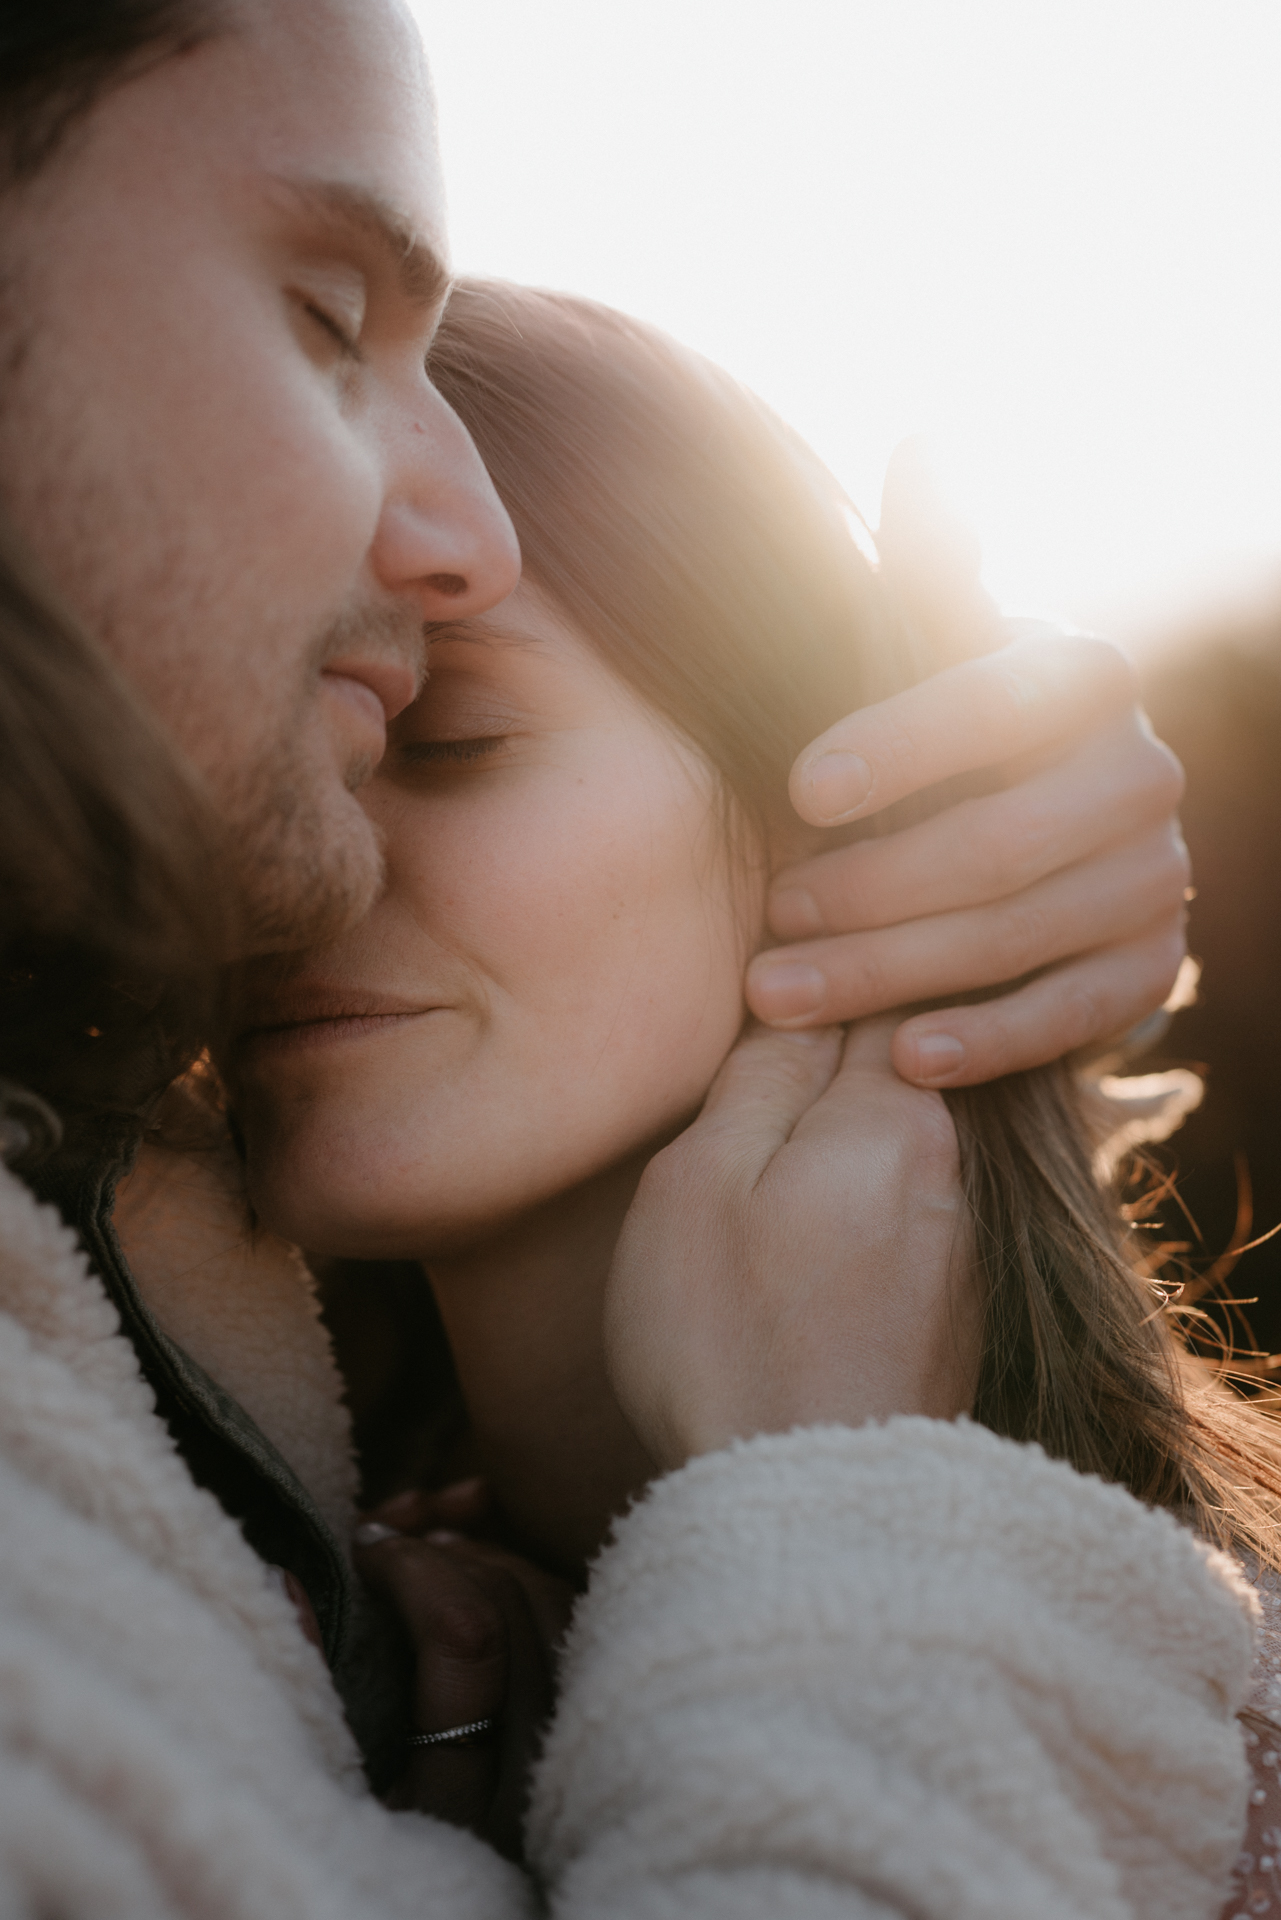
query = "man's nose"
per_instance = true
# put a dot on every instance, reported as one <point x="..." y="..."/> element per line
<point x="443" y="533"/>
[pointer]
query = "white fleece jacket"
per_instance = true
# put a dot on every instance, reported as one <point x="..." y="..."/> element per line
<point x="908" y="1670"/>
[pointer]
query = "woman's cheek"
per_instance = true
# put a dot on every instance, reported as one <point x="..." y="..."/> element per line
<point x="592" y="904"/>
<point x="646" y="968"/>
<point x="532" y="876"/>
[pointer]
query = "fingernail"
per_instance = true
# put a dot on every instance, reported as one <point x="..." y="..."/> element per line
<point x="793" y="913"/>
<point x="939" y="1056"/>
<point x="370" y="1532"/>
<point x="442" y="1537"/>
<point x="786" y="989"/>
<point x="836" y="785"/>
<point x="464" y="1489"/>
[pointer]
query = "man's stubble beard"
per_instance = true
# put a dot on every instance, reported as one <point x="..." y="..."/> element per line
<point x="300" y="861"/>
<point x="300" y="879"/>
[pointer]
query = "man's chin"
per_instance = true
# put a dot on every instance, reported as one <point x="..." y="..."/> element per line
<point x="309" y="880"/>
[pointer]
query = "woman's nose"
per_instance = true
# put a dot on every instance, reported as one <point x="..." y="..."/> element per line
<point x="443" y="533"/>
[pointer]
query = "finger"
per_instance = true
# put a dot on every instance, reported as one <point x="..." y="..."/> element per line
<point x="985" y="849"/>
<point x="1076" y="1005"/>
<point x="979" y="714"/>
<point x="1102" y="902"/>
<point x="459" y="1633"/>
<point x="455" y="1623"/>
<point x="550" y="1599"/>
<point x="485" y="1627"/>
<point x="869" y="1046"/>
<point x="530" y="1698"/>
<point x="760" y="1093"/>
<point x="865" y="1091"/>
<point x="465" y="1503"/>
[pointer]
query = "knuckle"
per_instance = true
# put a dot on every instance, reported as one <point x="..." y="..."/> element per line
<point x="853" y="886"/>
<point x="1163" y="772"/>
<point x="1094" y="676"/>
<point x="1015" y="688"/>
<point x="1026" y="937"/>
<point x="1083" y="1016"/>
<point x="870" y="986"/>
<point x="1149" y="879"/>
<point x="780" y="1066"/>
<point x="1167" y="951"/>
<point x="983" y="855"/>
<point x="1024" y="852"/>
<point x="1180" y="860"/>
<point x="1162" y="862"/>
<point x="467" y="1627"/>
<point x="1112" y="670"/>
<point x="893" y="753"/>
<point x="673" y="1168"/>
<point x="1036" y="675"/>
<point x="1030" y="831"/>
<point x="690" y="1174"/>
<point x="1148" y="874"/>
<point x="933" y="1144"/>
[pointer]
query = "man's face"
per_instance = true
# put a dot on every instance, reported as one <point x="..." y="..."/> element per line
<point x="216" y="432"/>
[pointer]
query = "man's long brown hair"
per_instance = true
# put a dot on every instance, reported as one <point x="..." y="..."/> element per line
<point x="708" y="556"/>
<point x="112" y="918"/>
<point x="58" y="58"/>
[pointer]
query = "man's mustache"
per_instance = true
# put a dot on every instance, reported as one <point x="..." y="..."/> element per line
<point x="397" y="632"/>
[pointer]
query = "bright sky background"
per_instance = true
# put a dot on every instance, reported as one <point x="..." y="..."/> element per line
<point x="1047" y="233"/>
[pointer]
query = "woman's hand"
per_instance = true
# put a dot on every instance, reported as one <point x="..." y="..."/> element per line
<point x="485" y="1625"/>
<point x="800" y="1255"/>
<point x="1075" y="865"/>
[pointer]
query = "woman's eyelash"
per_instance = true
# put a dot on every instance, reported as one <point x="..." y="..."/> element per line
<point x="454" y="752"/>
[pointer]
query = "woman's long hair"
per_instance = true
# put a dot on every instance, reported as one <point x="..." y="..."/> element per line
<point x="709" y="557"/>
<point x="112" y="919"/>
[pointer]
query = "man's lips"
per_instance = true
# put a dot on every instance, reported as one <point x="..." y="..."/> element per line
<point x="393" y="684"/>
<point x="373" y="692"/>
<point x="319" y="1017"/>
<point x="364" y="706"/>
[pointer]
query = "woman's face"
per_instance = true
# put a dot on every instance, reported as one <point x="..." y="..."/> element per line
<point x="548" y="983"/>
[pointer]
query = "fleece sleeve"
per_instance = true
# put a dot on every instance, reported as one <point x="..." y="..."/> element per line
<point x="906" y="1670"/>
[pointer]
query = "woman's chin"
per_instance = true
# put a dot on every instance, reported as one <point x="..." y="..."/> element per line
<point x="336" y="1218"/>
<point x="329" y="1234"/>
<point x="351" y="1191"/>
<point x="324" y="1215"/>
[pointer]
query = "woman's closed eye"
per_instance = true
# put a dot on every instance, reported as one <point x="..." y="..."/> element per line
<point x="465" y="717"/>
<point x="459" y="752"/>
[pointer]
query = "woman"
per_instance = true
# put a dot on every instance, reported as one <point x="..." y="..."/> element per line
<point x="480" y="1076"/>
<point x="171" y="1745"/>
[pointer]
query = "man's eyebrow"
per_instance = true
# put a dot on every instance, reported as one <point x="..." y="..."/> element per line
<point x="423" y="276"/>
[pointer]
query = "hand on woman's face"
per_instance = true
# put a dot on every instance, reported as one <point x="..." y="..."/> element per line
<point x="548" y="983"/>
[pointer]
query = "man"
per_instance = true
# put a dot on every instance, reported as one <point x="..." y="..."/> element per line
<point x="225" y="256"/>
<point x="218" y="435"/>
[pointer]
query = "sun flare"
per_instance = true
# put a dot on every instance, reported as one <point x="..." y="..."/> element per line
<point x="1048" y="237"/>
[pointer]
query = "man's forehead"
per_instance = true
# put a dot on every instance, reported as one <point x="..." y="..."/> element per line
<point x="349" y="108"/>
